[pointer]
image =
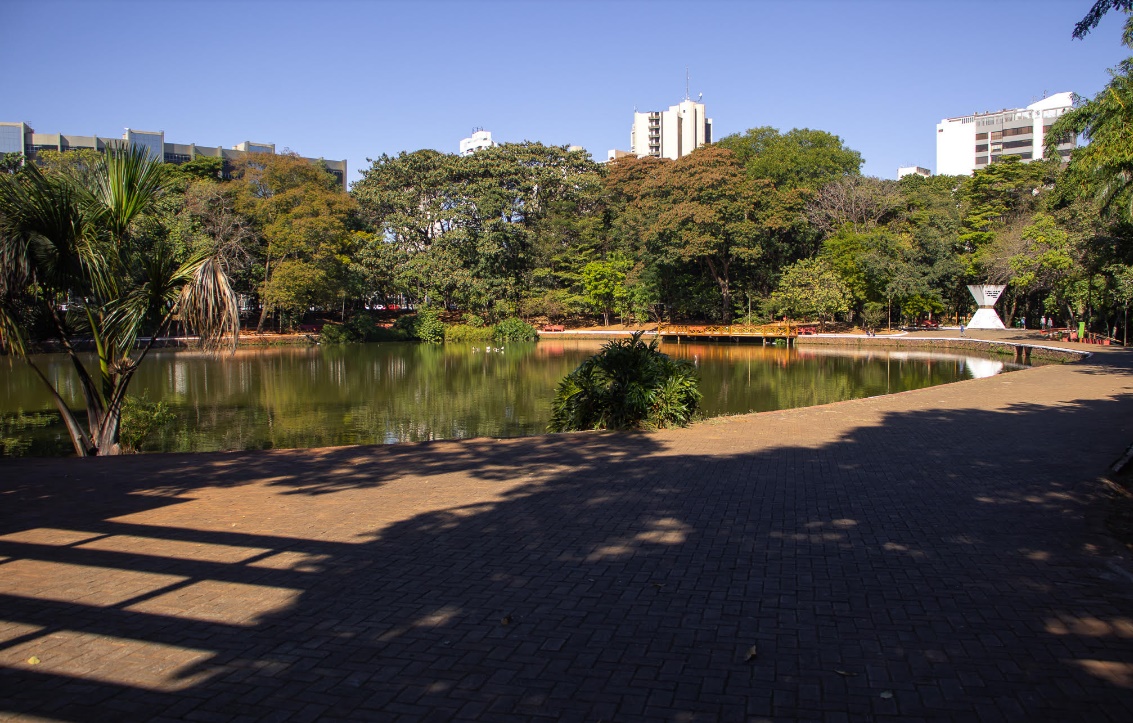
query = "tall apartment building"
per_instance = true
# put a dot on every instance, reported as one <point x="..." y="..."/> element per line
<point x="965" y="143"/>
<point x="478" y="141"/>
<point x="22" y="138"/>
<point x="669" y="133"/>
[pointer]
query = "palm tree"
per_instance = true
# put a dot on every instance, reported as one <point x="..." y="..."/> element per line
<point x="1104" y="167"/>
<point x="76" y="243"/>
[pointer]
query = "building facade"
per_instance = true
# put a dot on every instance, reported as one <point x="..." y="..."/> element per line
<point x="912" y="171"/>
<point x="966" y="143"/>
<point x="478" y="141"/>
<point x="22" y="138"/>
<point x="669" y="133"/>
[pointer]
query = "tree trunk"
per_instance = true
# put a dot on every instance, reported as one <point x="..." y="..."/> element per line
<point x="263" y="304"/>
<point x="107" y="441"/>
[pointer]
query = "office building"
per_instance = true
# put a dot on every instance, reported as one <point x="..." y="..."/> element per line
<point x="669" y="133"/>
<point x="966" y="143"/>
<point x="22" y="138"/>
<point x="478" y="141"/>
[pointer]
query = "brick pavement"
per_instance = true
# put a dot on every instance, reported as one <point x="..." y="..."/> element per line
<point x="933" y="555"/>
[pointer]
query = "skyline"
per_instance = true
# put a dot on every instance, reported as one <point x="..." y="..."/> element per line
<point x="352" y="79"/>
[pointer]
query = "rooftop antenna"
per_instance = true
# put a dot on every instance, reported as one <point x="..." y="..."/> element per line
<point x="686" y="82"/>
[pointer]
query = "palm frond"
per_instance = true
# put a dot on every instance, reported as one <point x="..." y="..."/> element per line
<point x="125" y="185"/>
<point x="208" y="305"/>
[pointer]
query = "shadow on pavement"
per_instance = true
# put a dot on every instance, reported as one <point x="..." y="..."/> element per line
<point x="941" y="564"/>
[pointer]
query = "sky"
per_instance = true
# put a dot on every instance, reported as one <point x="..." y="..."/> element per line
<point x="357" y="79"/>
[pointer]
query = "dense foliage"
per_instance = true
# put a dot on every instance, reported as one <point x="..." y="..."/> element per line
<point x="627" y="385"/>
<point x="84" y="260"/>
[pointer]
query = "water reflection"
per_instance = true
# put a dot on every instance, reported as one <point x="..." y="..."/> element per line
<point x="388" y="393"/>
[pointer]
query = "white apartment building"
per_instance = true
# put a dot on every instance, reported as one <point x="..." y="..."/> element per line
<point x="478" y="141"/>
<point x="965" y="143"/>
<point x="669" y="133"/>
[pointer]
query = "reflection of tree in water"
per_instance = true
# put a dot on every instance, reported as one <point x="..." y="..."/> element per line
<point x="396" y="392"/>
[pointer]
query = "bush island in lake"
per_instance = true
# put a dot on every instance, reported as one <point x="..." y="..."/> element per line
<point x="627" y="385"/>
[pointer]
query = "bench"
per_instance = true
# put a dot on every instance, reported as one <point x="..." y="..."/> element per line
<point x="554" y="327"/>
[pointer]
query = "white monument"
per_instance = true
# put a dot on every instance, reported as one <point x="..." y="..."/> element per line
<point x="986" y="295"/>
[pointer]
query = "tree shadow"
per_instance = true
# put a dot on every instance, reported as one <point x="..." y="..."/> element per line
<point x="941" y="563"/>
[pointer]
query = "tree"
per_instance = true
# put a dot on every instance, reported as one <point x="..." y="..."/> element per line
<point x="1122" y="290"/>
<point x="1097" y="11"/>
<point x="11" y="162"/>
<point x="605" y="284"/>
<point x="860" y="202"/>
<point x="303" y="218"/>
<point x="72" y="242"/>
<point x="799" y="158"/>
<point x="1104" y="167"/>
<point x="811" y="287"/>
<point x="705" y="210"/>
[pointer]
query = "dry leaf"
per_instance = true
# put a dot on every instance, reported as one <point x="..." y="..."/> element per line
<point x="845" y="673"/>
<point x="751" y="654"/>
<point x="33" y="660"/>
<point x="505" y="620"/>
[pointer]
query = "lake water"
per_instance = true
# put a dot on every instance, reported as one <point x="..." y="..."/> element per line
<point x="400" y="392"/>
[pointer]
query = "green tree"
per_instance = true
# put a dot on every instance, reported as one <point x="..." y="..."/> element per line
<point x="811" y="287"/>
<point x="605" y="284"/>
<point x="704" y="210"/>
<point x="1104" y="167"/>
<point x="73" y="241"/>
<point x="304" y="219"/>
<point x="11" y="162"/>
<point x="799" y="158"/>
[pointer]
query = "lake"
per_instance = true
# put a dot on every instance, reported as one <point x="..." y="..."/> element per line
<point x="261" y="398"/>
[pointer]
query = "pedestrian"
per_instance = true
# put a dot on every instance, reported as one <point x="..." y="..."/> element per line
<point x="961" y="328"/>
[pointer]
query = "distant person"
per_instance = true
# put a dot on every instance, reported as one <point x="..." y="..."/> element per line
<point x="961" y="328"/>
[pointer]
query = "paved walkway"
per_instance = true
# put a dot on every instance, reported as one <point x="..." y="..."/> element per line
<point x="936" y="554"/>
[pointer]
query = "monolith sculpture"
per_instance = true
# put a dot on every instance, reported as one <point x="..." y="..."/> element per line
<point x="986" y="295"/>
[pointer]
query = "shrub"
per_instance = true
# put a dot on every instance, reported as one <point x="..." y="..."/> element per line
<point x="429" y="327"/>
<point x="467" y="332"/>
<point x="336" y="334"/>
<point x="406" y="325"/>
<point x="471" y="319"/>
<point x="362" y="327"/>
<point x="140" y="419"/>
<point x="627" y="385"/>
<point x="514" y="329"/>
<point x="425" y="325"/>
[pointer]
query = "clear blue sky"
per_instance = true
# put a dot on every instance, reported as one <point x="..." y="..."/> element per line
<point x="358" y="79"/>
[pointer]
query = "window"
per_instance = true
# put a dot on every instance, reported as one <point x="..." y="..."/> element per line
<point x="982" y="148"/>
<point x="1017" y="144"/>
<point x="996" y="135"/>
<point x="981" y="137"/>
<point x="981" y="160"/>
<point x="1025" y="131"/>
